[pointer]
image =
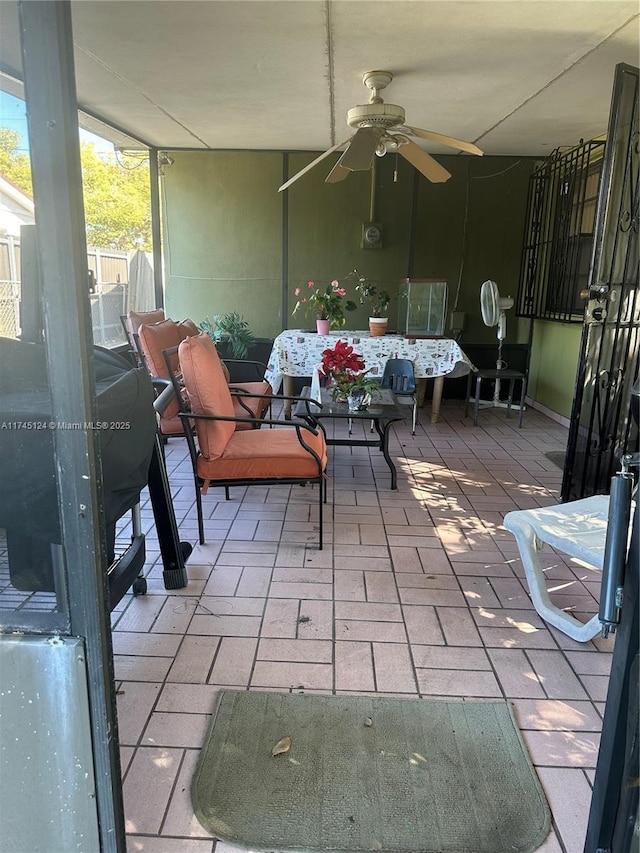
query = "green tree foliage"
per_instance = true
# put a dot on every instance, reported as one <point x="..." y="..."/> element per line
<point x="117" y="203"/>
<point x="14" y="165"/>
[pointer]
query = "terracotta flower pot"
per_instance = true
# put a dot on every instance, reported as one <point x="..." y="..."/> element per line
<point x="378" y="326"/>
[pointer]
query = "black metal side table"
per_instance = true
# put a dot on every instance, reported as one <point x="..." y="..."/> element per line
<point x="381" y="412"/>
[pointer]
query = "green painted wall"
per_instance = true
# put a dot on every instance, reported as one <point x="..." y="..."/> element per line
<point x="469" y="230"/>
<point x="224" y="233"/>
<point x="554" y="363"/>
<point x="325" y="234"/>
<point x="222" y="236"/>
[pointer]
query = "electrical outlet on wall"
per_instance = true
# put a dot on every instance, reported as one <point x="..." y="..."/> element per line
<point x="456" y="321"/>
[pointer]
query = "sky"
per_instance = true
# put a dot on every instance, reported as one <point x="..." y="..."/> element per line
<point x="13" y="116"/>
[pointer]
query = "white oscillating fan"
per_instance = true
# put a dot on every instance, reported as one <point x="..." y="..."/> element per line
<point x="494" y="308"/>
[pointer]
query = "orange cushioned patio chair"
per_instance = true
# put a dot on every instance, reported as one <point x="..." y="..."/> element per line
<point x="153" y="340"/>
<point x="291" y="453"/>
<point x="132" y="321"/>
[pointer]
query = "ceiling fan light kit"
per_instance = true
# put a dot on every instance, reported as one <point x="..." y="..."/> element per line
<point x="374" y="123"/>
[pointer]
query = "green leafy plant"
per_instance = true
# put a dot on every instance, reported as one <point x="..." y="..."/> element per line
<point x="328" y="304"/>
<point x="231" y="329"/>
<point x="377" y="299"/>
<point x="366" y="382"/>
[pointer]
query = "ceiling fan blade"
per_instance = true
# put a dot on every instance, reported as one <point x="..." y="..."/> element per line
<point x="451" y="141"/>
<point x="310" y="165"/>
<point x="424" y="162"/>
<point x="359" y="155"/>
<point x="338" y="173"/>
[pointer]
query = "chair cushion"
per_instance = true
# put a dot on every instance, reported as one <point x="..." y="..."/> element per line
<point x="156" y="338"/>
<point x="258" y="405"/>
<point x="138" y="318"/>
<point x="263" y="454"/>
<point x="188" y="328"/>
<point x="171" y="426"/>
<point x="208" y="393"/>
<point x="153" y="340"/>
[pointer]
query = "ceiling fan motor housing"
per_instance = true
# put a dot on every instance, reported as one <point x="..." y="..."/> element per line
<point x="376" y="115"/>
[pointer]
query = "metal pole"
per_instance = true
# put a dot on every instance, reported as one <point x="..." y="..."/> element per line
<point x="49" y="76"/>
<point x="284" y="296"/>
<point x="156" y="228"/>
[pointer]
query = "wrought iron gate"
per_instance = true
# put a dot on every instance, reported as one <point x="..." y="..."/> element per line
<point x="601" y="428"/>
<point x="558" y="240"/>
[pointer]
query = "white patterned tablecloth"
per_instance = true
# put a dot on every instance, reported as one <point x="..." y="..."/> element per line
<point x="297" y="353"/>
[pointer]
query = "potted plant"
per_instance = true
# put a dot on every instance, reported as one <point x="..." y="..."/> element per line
<point x="378" y="301"/>
<point x="346" y="376"/>
<point x="232" y="330"/>
<point x="327" y="305"/>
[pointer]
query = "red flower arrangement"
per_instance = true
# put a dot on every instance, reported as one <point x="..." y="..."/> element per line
<point x="344" y="370"/>
<point x="341" y="358"/>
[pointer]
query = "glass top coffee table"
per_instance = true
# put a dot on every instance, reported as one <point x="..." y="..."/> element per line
<point x="383" y="411"/>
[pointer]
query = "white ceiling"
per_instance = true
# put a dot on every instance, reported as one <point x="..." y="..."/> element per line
<point x="518" y="77"/>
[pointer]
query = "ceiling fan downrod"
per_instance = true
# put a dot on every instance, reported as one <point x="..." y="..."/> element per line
<point x="376" y="81"/>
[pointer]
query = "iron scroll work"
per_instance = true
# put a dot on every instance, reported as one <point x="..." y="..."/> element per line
<point x="558" y="243"/>
<point x="580" y="264"/>
<point x="602" y="430"/>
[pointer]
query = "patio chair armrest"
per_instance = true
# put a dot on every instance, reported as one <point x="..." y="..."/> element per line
<point x="187" y="416"/>
<point x="239" y="394"/>
<point x="259" y="367"/>
<point x="164" y="397"/>
<point x="236" y="391"/>
<point x="160" y="382"/>
<point x="310" y="401"/>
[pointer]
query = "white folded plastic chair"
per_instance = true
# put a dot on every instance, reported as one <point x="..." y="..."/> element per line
<point x="578" y="529"/>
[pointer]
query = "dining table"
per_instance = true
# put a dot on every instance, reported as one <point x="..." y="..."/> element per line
<point x="298" y="353"/>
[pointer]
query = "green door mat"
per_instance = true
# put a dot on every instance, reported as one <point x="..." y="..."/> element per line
<point x="364" y="773"/>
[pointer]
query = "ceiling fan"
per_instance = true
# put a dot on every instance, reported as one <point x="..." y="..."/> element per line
<point x="374" y="123"/>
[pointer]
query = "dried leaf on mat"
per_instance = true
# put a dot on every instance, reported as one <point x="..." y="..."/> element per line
<point x="283" y="745"/>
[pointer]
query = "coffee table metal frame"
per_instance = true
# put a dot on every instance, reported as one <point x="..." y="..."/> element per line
<point x="382" y="412"/>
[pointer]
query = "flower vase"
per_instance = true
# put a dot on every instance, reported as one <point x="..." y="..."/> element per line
<point x="358" y="399"/>
<point x="323" y="326"/>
